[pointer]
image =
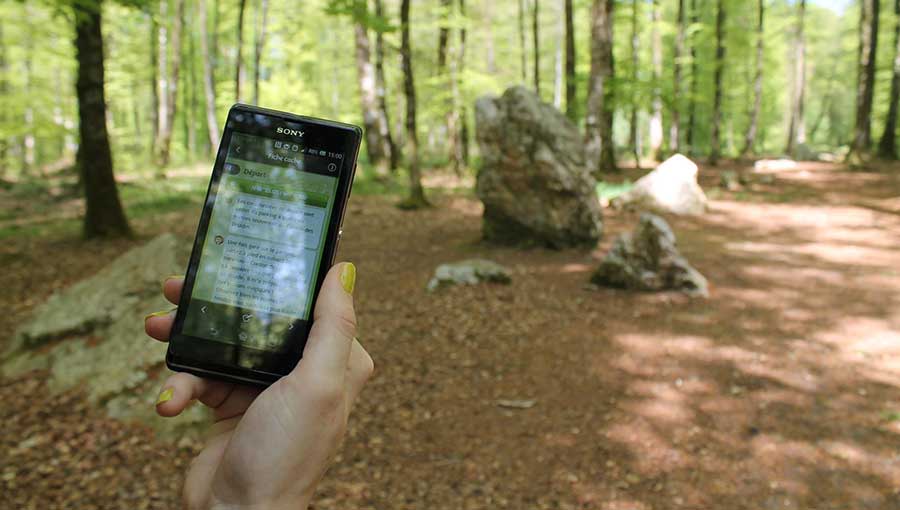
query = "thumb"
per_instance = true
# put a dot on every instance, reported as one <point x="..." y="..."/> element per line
<point x="334" y="325"/>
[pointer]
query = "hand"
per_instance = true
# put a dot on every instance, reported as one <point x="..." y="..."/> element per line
<point x="269" y="448"/>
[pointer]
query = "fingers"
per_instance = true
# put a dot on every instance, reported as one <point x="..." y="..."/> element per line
<point x="172" y="288"/>
<point x="181" y="388"/>
<point x="159" y="325"/>
<point x="327" y="350"/>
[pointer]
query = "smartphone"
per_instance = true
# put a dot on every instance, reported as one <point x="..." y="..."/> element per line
<point x="268" y="234"/>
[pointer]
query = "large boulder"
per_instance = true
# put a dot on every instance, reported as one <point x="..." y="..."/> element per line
<point x="533" y="181"/>
<point x="647" y="259"/>
<point x="91" y="336"/>
<point x="670" y="188"/>
<point x="468" y="272"/>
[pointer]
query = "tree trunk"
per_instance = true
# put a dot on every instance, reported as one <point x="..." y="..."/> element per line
<point x="28" y="140"/>
<point x="4" y="90"/>
<point x="535" y="39"/>
<point x="715" y="150"/>
<point x="443" y="36"/>
<point x="797" y="129"/>
<point x="599" y="122"/>
<point x="376" y="146"/>
<point x="887" y="147"/>
<point x="384" y="125"/>
<point x="558" y="63"/>
<point x="463" y="117"/>
<point x="656" y="121"/>
<point x="209" y="91"/>
<point x="571" y="99"/>
<point x="104" y="216"/>
<point x="162" y="73"/>
<point x="416" y="197"/>
<point x="522" y="50"/>
<point x="189" y="101"/>
<point x="453" y="143"/>
<point x="633" y="135"/>
<point x="239" y="59"/>
<point x="675" y="126"/>
<point x="750" y="138"/>
<point x="695" y="80"/>
<point x="868" y="46"/>
<point x="154" y="59"/>
<point x="490" y="52"/>
<point x="169" y="96"/>
<point x="258" y="46"/>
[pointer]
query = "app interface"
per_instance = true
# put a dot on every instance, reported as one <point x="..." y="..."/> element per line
<point x="263" y="248"/>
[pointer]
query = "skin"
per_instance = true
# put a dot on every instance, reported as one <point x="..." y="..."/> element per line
<point x="269" y="448"/>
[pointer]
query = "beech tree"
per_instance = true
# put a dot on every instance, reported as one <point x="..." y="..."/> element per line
<point x="715" y="149"/>
<point x="571" y="100"/>
<point x="887" y="147"/>
<point x="168" y="80"/>
<point x="865" y="89"/>
<point x="797" y="128"/>
<point x="656" y="121"/>
<point x="416" y="198"/>
<point x="750" y="137"/>
<point x="675" y="125"/>
<point x="209" y="88"/>
<point x="599" y="122"/>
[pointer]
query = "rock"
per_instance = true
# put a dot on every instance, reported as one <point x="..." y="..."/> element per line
<point x="774" y="165"/>
<point x="468" y="272"/>
<point x="534" y="182"/>
<point x="91" y="336"/>
<point x="730" y="180"/>
<point x="672" y="187"/>
<point x="647" y="259"/>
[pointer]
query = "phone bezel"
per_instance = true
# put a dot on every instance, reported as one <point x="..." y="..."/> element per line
<point x="280" y="363"/>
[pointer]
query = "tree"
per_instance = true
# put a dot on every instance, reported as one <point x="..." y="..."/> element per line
<point x="239" y="59"/>
<point x="695" y="79"/>
<point x="209" y="90"/>
<point x="571" y="100"/>
<point x="558" y="63"/>
<point x="599" y="122"/>
<point x="797" y="128"/>
<point x="715" y="150"/>
<point x="865" y="89"/>
<point x="634" y="139"/>
<point x="674" y="134"/>
<point x="4" y="90"/>
<point x="168" y="83"/>
<point x="377" y="146"/>
<point x="104" y="216"/>
<point x="416" y="197"/>
<point x="535" y="39"/>
<point x="443" y="36"/>
<point x="887" y="147"/>
<point x="154" y="85"/>
<point x="384" y="126"/>
<point x="750" y="138"/>
<point x="258" y="46"/>
<point x="522" y="51"/>
<point x="656" y="127"/>
<point x="464" y="122"/>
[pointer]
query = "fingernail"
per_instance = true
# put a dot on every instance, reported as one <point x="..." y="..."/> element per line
<point x="160" y="313"/>
<point x="348" y="277"/>
<point x="165" y="396"/>
<point x="167" y="278"/>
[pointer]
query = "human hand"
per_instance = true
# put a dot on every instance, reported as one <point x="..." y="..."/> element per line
<point x="269" y="448"/>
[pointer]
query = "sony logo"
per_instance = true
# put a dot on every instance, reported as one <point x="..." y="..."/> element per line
<point x="292" y="132"/>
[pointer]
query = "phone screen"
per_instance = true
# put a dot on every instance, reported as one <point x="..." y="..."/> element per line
<point x="253" y="276"/>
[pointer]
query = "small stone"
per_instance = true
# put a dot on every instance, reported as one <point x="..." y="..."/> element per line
<point x="468" y="272"/>
<point x="516" y="403"/>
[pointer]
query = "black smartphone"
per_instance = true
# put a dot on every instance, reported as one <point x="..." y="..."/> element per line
<point x="268" y="233"/>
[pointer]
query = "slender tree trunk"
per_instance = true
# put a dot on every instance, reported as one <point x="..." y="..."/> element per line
<point x="384" y="125"/>
<point x="209" y="91"/>
<point x="797" y="129"/>
<point x="750" y="138"/>
<point x="634" y="139"/>
<point x="490" y="51"/>
<point x="239" y="60"/>
<point x="169" y="96"/>
<point x="4" y="90"/>
<point x="463" y="116"/>
<point x="443" y="36"/>
<point x="675" y="126"/>
<point x="827" y="100"/>
<point x="715" y="150"/>
<point x="376" y="146"/>
<point x="868" y="49"/>
<point x="453" y="142"/>
<point x="154" y="83"/>
<point x="104" y="216"/>
<point x="695" y="80"/>
<point x="416" y="197"/>
<point x="656" y="120"/>
<point x="522" y="51"/>
<point x="449" y="80"/>
<point x="28" y="139"/>
<point x="599" y="122"/>
<point x="887" y="147"/>
<point x="558" y="62"/>
<point x="535" y="39"/>
<point x="571" y="99"/>
<point x="189" y="103"/>
<point x="162" y="73"/>
<point x="258" y="46"/>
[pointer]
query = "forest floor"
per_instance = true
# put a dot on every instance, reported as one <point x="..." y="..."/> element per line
<point x="779" y="391"/>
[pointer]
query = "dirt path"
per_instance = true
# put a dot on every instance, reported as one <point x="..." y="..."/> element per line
<point x="774" y="393"/>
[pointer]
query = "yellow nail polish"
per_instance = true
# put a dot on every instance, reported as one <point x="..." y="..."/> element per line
<point x="160" y="313"/>
<point x="348" y="277"/>
<point x="165" y="396"/>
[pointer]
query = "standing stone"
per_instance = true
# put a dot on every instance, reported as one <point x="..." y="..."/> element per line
<point x="533" y="181"/>
<point x="647" y="259"/>
<point x="670" y="188"/>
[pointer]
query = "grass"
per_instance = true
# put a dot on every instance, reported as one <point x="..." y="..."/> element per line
<point x="611" y="190"/>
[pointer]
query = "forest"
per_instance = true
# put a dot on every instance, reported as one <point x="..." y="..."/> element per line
<point x="611" y="254"/>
